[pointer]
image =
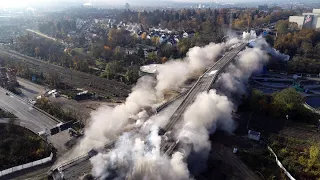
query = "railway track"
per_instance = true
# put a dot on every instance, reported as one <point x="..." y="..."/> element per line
<point x="71" y="77"/>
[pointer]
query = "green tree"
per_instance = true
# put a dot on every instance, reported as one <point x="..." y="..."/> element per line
<point x="255" y="98"/>
<point x="132" y="75"/>
<point x="111" y="69"/>
<point x="282" y="26"/>
<point x="96" y="50"/>
<point x="140" y="53"/>
<point x="152" y="57"/>
<point x="269" y="40"/>
<point x="287" y="100"/>
<point x="118" y="54"/>
<point x="313" y="156"/>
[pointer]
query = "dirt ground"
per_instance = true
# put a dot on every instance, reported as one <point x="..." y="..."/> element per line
<point x="82" y="108"/>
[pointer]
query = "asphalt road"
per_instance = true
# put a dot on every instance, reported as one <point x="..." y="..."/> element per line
<point x="28" y="116"/>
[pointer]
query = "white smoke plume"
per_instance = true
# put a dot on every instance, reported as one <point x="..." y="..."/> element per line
<point x="107" y="123"/>
<point x="249" y="35"/>
<point x="173" y="74"/>
<point x="208" y="112"/>
<point x="135" y="159"/>
<point x="233" y="81"/>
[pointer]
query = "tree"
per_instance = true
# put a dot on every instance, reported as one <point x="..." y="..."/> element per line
<point x="164" y="60"/>
<point x="152" y="57"/>
<point x="96" y="50"/>
<point x="37" y="51"/>
<point x="144" y="35"/>
<point x="155" y="40"/>
<point x="255" y="98"/>
<point x="111" y="69"/>
<point x="132" y="75"/>
<point x="313" y="156"/>
<point x="287" y="100"/>
<point x="184" y="46"/>
<point x="302" y="64"/>
<point x="269" y="40"/>
<point x="282" y="26"/>
<point x="306" y="49"/>
<point x="118" y="53"/>
<point x="53" y="78"/>
<point x="140" y="53"/>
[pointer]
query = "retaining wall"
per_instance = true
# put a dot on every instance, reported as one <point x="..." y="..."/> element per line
<point x="25" y="166"/>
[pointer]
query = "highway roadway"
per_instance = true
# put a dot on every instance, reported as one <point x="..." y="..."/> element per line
<point x="28" y="116"/>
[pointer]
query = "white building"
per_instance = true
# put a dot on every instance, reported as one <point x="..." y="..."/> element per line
<point x="307" y="20"/>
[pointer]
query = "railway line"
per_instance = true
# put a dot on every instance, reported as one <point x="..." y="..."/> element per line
<point x="71" y="77"/>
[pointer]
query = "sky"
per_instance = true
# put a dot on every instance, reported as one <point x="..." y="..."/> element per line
<point x="33" y="3"/>
<point x="26" y="3"/>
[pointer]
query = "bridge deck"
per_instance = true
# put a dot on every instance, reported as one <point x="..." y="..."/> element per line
<point x="203" y="84"/>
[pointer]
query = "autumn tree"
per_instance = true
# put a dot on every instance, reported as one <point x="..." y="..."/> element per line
<point x="37" y="51"/>
<point x="282" y="26"/>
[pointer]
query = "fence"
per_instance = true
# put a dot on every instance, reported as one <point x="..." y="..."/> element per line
<point x="25" y="166"/>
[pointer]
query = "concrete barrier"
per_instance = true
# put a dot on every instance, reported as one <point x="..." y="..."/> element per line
<point x="25" y="166"/>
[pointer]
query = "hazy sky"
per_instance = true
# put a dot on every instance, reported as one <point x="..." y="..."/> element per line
<point x="26" y="3"/>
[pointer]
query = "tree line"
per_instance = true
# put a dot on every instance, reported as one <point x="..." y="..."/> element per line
<point x="304" y="48"/>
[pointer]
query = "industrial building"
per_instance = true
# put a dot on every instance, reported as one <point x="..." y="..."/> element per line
<point x="307" y="20"/>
